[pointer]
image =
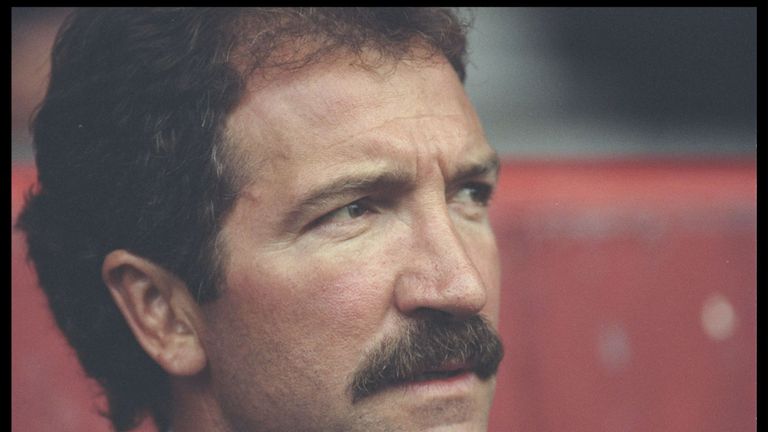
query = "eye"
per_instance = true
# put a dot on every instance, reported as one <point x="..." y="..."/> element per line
<point x="475" y="193"/>
<point x="346" y="214"/>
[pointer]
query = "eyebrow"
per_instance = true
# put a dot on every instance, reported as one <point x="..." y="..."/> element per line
<point x="395" y="181"/>
<point x="487" y="167"/>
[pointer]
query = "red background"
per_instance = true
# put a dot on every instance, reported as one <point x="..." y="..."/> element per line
<point x="608" y="266"/>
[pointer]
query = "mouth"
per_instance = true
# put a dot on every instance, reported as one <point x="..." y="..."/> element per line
<point x="442" y="373"/>
<point x="441" y="382"/>
<point x="434" y="356"/>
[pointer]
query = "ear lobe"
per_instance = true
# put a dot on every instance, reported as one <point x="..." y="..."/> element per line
<point x="159" y="310"/>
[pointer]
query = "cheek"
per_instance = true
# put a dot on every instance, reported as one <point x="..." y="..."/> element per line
<point x="296" y="327"/>
<point x="349" y="286"/>
<point x="349" y="300"/>
<point x="325" y="300"/>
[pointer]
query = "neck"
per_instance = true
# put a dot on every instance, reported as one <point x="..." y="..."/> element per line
<point x="194" y="407"/>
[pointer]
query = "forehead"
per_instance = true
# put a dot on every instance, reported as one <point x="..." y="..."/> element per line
<point x="338" y="113"/>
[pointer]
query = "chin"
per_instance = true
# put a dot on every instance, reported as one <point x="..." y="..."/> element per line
<point x="462" y="404"/>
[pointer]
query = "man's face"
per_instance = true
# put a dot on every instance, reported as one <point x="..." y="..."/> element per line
<point x="365" y="215"/>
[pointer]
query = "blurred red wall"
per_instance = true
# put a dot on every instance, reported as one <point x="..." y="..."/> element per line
<point x="628" y="305"/>
<point x="629" y="296"/>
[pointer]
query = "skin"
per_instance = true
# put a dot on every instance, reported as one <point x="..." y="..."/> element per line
<point x="310" y="289"/>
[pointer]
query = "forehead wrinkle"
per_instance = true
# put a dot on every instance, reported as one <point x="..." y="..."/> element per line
<point x="336" y="109"/>
<point x="411" y="151"/>
<point x="334" y="100"/>
<point x="330" y="122"/>
<point x="392" y="138"/>
<point x="472" y="157"/>
<point x="338" y="154"/>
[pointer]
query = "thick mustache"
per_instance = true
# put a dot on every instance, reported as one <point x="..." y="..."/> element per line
<point x="429" y="345"/>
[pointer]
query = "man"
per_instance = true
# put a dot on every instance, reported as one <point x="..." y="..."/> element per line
<point x="269" y="219"/>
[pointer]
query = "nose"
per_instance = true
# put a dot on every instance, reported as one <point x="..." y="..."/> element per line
<point x="439" y="274"/>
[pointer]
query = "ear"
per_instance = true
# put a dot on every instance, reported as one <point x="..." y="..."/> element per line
<point x="159" y="310"/>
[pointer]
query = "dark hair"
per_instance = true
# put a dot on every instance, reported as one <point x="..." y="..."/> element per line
<point x="131" y="154"/>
